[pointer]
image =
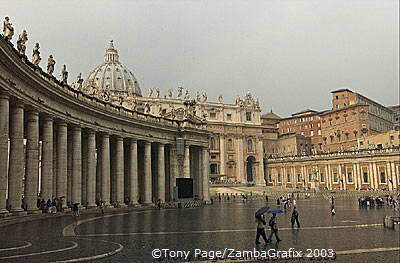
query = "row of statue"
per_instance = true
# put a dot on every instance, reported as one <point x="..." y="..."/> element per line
<point x="8" y="33"/>
<point x="199" y="98"/>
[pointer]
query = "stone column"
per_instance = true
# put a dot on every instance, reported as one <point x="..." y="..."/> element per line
<point x="119" y="169"/>
<point x="147" y="174"/>
<point x="390" y="181"/>
<point x="62" y="161"/>
<point x="241" y="172"/>
<point x="204" y="174"/>
<point x="133" y="172"/>
<point x="47" y="159"/>
<point x="76" y="165"/>
<point x="17" y="158"/>
<point x="54" y="180"/>
<point x="91" y="169"/>
<point x="261" y="179"/>
<point x="84" y="168"/>
<point x="161" y="173"/>
<point x="32" y="162"/>
<point x="174" y="170"/>
<point x="376" y="175"/>
<point x="371" y="175"/>
<point x="105" y="169"/>
<point x="186" y="162"/>
<point x="4" y="126"/>
<point x="355" y="177"/>
<point x="222" y="155"/>
<point x="69" y="166"/>
<point x="359" y="182"/>
<point x="394" y="176"/>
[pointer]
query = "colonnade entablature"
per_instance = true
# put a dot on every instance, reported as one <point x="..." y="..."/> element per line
<point x="58" y="142"/>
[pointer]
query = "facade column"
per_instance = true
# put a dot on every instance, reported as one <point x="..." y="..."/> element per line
<point x="161" y="173"/>
<point x="222" y="155"/>
<point x="62" y="145"/>
<point x="205" y="167"/>
<point x="84" y="147"/>
<point x="327" y="178"/>
<point x="359" y="174"/>
<point x="77" y="165"/>
<point x="355" y="177"/>
<point x="394" y="176"/>
<point x="17" y="158"/>
<point x="376" y="175"/>
<point x="133" y="172"/>
<point x="54" y="180"/>
<point x="260" y="174"/>
<point x="371" y="175"/>
<point x="91" y="170"/>
<point x="147" y="174"/>
<point x="174" y="170"/>
<point x="4" y="126"/>
<point x="69" y="166"/>
<point x="119" y="169"/>
<point x="46" y="191"/>
<point x="186" y="162"/>
<point x="105" y="169"/>
<point x="32" y="162"/>
<point x="390" y="181"/>
<point x="240" y="161"/>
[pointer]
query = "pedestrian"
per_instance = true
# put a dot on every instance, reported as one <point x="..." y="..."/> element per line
<point x="260" y="221"/>
<point x="274" y="229"/>
<point x="294" y="203"/>
<point x="75" y="210"/>
<point x="266" y="198"/>
<point x="333" y="212"/>
<point x="295" y="217"/>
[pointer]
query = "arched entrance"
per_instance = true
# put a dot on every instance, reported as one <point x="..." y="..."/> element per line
<point x="250" y="168"/>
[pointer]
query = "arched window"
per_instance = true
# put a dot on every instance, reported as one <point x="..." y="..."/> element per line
<point x="230" y="145"/>
<point x="250" y="145"/>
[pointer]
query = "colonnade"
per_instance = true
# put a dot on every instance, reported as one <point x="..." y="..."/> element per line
<point x="42" y="156"/>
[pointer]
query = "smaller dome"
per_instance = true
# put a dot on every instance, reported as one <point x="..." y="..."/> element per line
<point x="113" y="76"/>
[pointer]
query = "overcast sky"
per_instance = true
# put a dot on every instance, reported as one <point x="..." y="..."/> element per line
<point x="288" y="53"/>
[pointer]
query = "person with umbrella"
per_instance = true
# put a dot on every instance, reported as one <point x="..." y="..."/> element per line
<point x="272" y="223"/>
<point x="295" y="217"/>
<point x="260" y="222"/>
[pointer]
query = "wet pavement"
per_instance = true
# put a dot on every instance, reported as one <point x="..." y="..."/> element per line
<point x="352" y="235"/>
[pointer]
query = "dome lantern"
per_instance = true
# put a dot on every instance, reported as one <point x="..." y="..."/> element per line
<point x="111" y="55"/>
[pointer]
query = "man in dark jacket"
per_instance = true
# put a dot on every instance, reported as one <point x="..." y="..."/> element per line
<point x="295" y="217"/>
<point x="274" y="228"/>
<point x="260" y="221"/>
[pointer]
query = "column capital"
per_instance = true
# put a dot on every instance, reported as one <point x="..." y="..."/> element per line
<point x="18" y="104"/>
<point x="91" y="132"/>
<point x="132" y="140"/>
<point x="4" y="96"/>
<point x="47" y="117"/>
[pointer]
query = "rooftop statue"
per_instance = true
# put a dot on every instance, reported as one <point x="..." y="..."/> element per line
<point x="36" y="55"/>
<point x="8" y="30"/>
<point x="220" y="98"/>
<point x="147" y="107"/>
<point x="150" y="92"/>
<point x="179" y="96"/>
<point x="169" y="93"/>
<point x="198" y="98"/>
<point x="205" y="97"/>
<point x="50" y="65"/>
<point x="64" y="75"/>
<point x="157" y="92"/>
<point x="79" y="81"/>
<point x="187" y="95"/>
<point x="21" y="43"/>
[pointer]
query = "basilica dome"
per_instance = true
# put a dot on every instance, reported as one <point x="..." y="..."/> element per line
<point x="113" y="76"/>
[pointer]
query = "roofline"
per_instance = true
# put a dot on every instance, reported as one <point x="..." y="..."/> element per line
<point x="340" y="90"/>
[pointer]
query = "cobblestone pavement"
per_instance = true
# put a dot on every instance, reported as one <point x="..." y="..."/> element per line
<point x="354" y="234"/>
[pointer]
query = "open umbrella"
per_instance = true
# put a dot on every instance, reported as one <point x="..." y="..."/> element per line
<point x="261" y="211"/>
<point x="275" y="211"/>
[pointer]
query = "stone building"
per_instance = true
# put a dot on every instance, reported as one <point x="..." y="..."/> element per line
<point x="82" y="145"/>
<point x="236" y="143"/>
<point x="380" y="140"/>
<point x="396" y="111"/>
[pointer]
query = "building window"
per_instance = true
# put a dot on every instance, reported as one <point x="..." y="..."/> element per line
<point x="248" y="116"/>
<point x="269" y="178"/>
<point x="347" y="136"/>
<point x="230" y="145"/>
<point x="279" y="178"/>
<point x="349" y="177"/>
<point x="213" y="168"/>
<point x="322" y="178"/>
<point x="229" y="117"/>
<point x="213" y="115"/>
<point x="365" y="177"/>
<point x="312" y="133"/>
<point x="310" y="177"/>
<point x="331" y="139"/>
<point x="335" y="178"/>
<point x="288" y="178"/>
<point x="213" y="144"/>
<point x="299" y="178"/>
<point x="383" y="178"/>
<point x="250" y="145"/>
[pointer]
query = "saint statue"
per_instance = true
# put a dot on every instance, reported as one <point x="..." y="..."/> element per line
<point x="187" y="95"/>
<point x="64" y="75"/>
<point x="120" y="100"/>
<point x="198" y="97"/>
<point x="169" y="93"/>
<point x="205" y="97"/>
<point x="179" y="96"/>
<point x="157" y="92"/>
<point x="79" y="81"/>
<point x="220" y="98"/>
<point x="21" y="42"/>
<point x="150" y="92"/>
<point x="147" y="107"/>
<point x="50" y="65"/>
<point x="36" y="55"/>
<point x="160" y="109"/>
<point x="8" y="30"/>
<point x="134" y="104"/>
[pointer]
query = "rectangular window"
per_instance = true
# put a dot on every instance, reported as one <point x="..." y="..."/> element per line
<point x="288" y="178"/>
<point x="383" y="178"/>
<point x="213" y="115"/>
<point x="310" y="177"/>
<point x="229" y="117"/>
<point x="312" y="133"/>
<point x="248" y="116"/>
<point x="365" y="177"/>
<point x="299" y="178"/>
<point x="322" y="178"/>
<point x="349" y="177"/>
<point x="335" y="178"/>
<point x="279" y="178"/>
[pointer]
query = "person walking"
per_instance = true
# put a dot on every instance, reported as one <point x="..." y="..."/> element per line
<point x="260" y="221"/>
<point x="274" y="229"/>
<point x="295" y="217"/>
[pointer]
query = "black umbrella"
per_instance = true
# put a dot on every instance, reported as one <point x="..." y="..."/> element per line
<point x="261" y="211"/>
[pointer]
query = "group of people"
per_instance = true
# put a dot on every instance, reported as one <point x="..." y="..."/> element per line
<point x="52" y="206"/>
<point x="368" y="201"/>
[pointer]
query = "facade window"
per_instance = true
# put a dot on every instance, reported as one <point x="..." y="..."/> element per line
<point x="322" y="178"/>
<point x="312" y="133"/>
<point x="213" y="168"/>
<point x="349" y="177"/>
<point x="229" y="117"/>
<point x="213" y="115"/>
<point x="230" y="144"/>
<point x="213" y="144"/>
<point x="248" y="116"/>
<point x="331" y="139"/>
<point x="347" y="136"/>
<point x="310" y="177"/>
<point x="250" y="147"/>
<point x="335" y="177"/>
<point x="288" y="178"/>
<point x="269" y="178"/>
<point x="279" y="178"/>
<point x="383" y="178"/>
<point x="299" y="178"/>
<point x="365" y="177"/>
<point x="319" y="132"/>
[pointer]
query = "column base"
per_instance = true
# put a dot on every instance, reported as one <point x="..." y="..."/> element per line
<point x="134" y="204"/>
<point x="19" y="212"/>
<point x="122" y="205"/>
<point x="148" y="204"/>
<point x="4" y="213"/>
<point x="34" y="211"/>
